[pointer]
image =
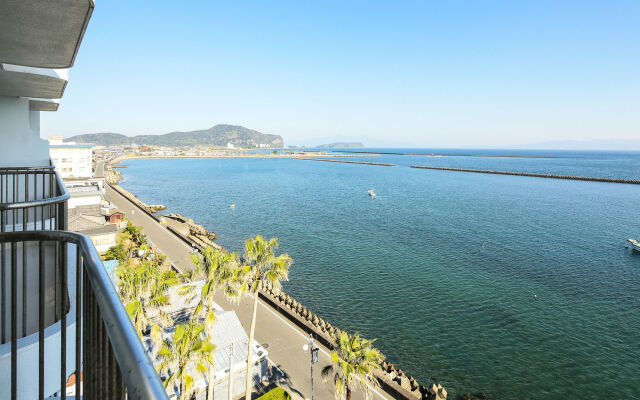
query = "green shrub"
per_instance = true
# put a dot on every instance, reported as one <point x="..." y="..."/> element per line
<point x="275" y="394"/>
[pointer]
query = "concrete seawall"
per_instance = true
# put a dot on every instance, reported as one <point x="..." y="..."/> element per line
<point x="549" y="176"/>
<point x="346" y="162"/>
<point x="392" y="379"/>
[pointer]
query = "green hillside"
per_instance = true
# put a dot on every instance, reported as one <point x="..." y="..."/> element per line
<point x="218" y="135"/>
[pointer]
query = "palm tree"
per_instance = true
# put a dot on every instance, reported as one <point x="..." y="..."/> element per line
<point x="186" y="349"/>
<point x="353" y="357"/>
<point x="221" y="270"/>
<point x="143" y="287"/>
<point x="262" y="265"/>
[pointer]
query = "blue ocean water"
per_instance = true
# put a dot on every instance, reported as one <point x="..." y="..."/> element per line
<point x="441" y="267"/>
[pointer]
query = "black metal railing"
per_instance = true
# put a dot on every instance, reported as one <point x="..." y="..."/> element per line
<point x="110" y="361"/>
<point x="32" y="198"/>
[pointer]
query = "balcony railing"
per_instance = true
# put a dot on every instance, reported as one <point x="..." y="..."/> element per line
<point x="93" y="339"/>
<point x="32" y="198"/>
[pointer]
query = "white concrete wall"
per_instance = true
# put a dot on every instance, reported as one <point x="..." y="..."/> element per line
<point x="72" y="162"/>
<point x="104" y="241"/>
<point x="20" y="143"/>
<point x="74" y="202"/>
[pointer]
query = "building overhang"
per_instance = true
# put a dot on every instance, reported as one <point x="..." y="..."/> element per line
<point x="44" y="104"/>
<point x="19" y="81"/>
<point x="43" y="34"/>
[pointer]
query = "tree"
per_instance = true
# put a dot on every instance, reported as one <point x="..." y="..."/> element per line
<point x="137" y="236"/>
<point x="116" y="252"/>
<point x="220" y="270"/>
<point x="352" y="356"/>
<point x="142" y="287"/>
<point x="186" y="348"/>
<point x="262" y="265"/>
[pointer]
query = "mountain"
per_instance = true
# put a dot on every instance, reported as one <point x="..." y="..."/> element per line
<point x="218" y="135"/>
<point x="341" y="145"/>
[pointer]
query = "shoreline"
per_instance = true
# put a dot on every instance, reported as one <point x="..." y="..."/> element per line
<point x="393" y="380"/>
<point x="120" y="159"/>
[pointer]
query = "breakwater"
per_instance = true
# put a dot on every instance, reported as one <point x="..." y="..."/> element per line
<point x="435" y="154"/>
<point x="192" y="232"/>
<point x="239" y="155"/>
<point x="346" y="162"/>
<point x="150" y="208"/>
<point x="549" y="176"/>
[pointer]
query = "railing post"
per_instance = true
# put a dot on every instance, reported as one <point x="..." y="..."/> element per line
<point x="110" y="360"/>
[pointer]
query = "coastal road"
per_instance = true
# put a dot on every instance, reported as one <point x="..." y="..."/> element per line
<point x="283" y="340"/>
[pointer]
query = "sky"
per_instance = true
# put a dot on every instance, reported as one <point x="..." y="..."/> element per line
<point x="388" y="73"/>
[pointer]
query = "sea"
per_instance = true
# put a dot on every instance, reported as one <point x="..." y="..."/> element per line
<point x="517" y="287"/>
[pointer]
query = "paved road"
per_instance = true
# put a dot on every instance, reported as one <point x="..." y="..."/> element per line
<point x="284" y="341"/>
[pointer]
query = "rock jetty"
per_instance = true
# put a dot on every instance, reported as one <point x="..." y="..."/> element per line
<point x="112" y="176"/>
<point x="392" y="379"/>
<point x="346" y="162"/>
<point x="194" y="232"/>
<point x="550" y="176"/>
<point x="153" y="208"/>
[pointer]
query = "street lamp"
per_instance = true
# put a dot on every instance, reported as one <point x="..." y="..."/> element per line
<point x="313" y="351"/>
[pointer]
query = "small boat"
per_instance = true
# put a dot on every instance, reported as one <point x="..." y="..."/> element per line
<point x="371" y="192"/>
<point x="635" y="244"/>
<point x="233" y="205"/>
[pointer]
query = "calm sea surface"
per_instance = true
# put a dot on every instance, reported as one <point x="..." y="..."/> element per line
<point x="442" y="266"/>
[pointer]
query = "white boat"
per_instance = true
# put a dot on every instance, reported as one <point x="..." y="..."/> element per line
<point x="232" y="205"/>
<point x="635" y="244"/>
<point x="371" y="192"/>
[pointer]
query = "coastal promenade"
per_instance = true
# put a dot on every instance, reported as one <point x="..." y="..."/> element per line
<point x="283" y="340"/>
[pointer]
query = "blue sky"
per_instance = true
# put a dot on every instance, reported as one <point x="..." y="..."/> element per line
<point x="424" y="73"/>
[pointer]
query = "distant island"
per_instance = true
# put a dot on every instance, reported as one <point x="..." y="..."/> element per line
<point x="341" y="145"/>
<point x="219" y="135"/>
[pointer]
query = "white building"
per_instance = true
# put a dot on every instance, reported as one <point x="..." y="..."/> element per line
<point x="230" y="341"/>
<point x="72" y="160"/>
<point x="85" y="196"/>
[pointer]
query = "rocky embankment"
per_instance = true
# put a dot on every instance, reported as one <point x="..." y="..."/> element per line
<point x="153" y="208"/>
<point x="112" y="176"/>
<point x="392" y="379"/>
<point x="194" y="232"/>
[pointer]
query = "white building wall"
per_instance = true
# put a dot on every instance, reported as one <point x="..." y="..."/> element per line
<point x="72" y="162"/>
<point x="103" y="241"/>
<point x="21" y="145"/>
<point x="74" y="201"/>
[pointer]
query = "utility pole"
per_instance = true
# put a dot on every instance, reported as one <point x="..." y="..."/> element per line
<point x="313" y="351"/>
<point x="230" y="375"/>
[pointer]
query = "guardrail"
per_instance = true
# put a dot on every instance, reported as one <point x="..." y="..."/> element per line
<point x="32" y="198"/>
<point x="113" y="361"/>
